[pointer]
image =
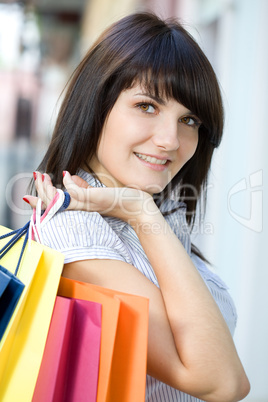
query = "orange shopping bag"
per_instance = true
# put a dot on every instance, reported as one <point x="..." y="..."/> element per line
<point x="123" y="358"/>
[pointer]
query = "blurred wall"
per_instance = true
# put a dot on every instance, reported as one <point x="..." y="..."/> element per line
<point x="38" y="51"/>
<point x="100" y="14"/>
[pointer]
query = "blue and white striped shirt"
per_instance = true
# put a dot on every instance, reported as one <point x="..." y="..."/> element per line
<point x="81" y="235"/>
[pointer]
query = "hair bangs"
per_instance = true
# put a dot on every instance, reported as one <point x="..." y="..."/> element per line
<point x="159" y="68"/>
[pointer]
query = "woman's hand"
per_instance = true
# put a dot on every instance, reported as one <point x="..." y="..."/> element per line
<point x="124" y="203"/>
<point x="46" y="191"/>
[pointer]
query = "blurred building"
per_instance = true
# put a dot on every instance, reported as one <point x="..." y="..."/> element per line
<point x="41" y="41"/>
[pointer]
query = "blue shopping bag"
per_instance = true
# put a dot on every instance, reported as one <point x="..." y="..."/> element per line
<point x="11" y="287"/>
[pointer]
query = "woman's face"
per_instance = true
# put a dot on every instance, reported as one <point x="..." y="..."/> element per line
<point x="145" y="141"/>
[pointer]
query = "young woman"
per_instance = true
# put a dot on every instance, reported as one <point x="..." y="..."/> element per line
<point x="134" y="139"/>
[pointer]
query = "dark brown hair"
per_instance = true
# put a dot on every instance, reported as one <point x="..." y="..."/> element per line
<point x="167" y="61"/>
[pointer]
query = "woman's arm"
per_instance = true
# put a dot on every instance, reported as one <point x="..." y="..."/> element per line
<point x="205" y="349"/>
<point x="190" y="346"/>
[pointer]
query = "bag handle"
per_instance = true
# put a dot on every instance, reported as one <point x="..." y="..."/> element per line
<point x="38" y="220"/>
<point x="17" y="234"/>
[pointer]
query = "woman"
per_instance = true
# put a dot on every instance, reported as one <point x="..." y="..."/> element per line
<point x="137" y="130"/>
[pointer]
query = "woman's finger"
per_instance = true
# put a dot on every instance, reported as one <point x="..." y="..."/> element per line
<point x="79" y="195"/>
<point x="80" y="182"/>
<point x="46" y="179"/>
<point x="38" y="181"/>
<point x="48" y="188"/>
<point x="32" y="201"/>
<point x="45" y="189"/>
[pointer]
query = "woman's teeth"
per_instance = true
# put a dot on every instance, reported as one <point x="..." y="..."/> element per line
<point x="150" y="159"/>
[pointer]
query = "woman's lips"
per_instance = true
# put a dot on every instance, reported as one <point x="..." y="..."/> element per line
<point x="153" y="162"/>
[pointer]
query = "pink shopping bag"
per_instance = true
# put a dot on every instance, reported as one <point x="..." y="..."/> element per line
<point x="70" y="365"/>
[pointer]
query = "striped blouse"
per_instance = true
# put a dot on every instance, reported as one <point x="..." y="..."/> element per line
<point x="81" y="235"/>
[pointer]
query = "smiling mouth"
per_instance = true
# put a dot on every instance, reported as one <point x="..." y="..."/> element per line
<point x="151" y="159"/>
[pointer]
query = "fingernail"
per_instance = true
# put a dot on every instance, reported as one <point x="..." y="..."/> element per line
<point x="26" y="200"/>
<point x="64" y="173"/>
<point x="34" y="175"/>
<point x="43" y="177"/>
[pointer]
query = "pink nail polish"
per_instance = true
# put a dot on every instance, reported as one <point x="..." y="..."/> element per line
<point x="25" y="199"/>
<point x="34" y="175"/>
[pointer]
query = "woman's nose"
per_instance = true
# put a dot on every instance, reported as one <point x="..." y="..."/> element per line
<point x="166" y="136"/>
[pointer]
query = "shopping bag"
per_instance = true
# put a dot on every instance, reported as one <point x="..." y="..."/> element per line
<point x="129" y="365"/>
<point x="10" y="286"/>
<point x="70" y="363"/>
<point x="10" y="290"/>
<point x="4" y="280"/>
<point x="23" y="342"/>
<point x="122" y="373"/>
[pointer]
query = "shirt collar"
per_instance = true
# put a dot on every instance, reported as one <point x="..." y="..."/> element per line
<point x="89" y="178"/>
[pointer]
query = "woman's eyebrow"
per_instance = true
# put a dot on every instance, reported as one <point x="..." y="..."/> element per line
<point x="155" y="98"/>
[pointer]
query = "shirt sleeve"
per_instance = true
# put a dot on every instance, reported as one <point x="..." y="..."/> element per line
<point x="219" y="291"/>
<point x="81" y="235"/>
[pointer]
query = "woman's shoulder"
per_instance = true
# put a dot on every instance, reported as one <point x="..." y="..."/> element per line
<point x="67" y="225"/>
<point x="83" y="235"/>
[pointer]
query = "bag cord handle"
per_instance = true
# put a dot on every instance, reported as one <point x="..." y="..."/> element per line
<point x="59" y="203"/>
<point x="17" y="234"/>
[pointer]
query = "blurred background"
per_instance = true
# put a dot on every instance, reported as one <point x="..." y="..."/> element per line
<point x="41" y="42"/>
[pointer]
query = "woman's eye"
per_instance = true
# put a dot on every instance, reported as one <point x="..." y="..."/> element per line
<point x="190" y="121"/>
<point x="147" y="108"/>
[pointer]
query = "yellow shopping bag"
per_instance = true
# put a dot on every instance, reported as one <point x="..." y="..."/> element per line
<point x="22" y="345"/>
